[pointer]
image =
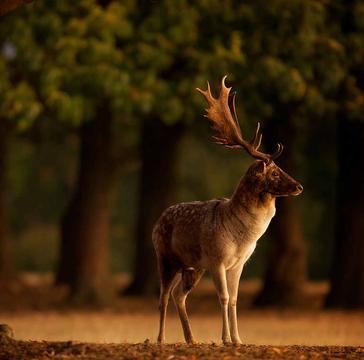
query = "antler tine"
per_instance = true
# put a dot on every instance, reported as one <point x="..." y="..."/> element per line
<point x="254" y="139"/>
<point x="234" y="111"/>
<point x="207" y="93"/>
<point x="278" y="152"/>
<point x="226" y="124"/>
<point x="259" y="142"/>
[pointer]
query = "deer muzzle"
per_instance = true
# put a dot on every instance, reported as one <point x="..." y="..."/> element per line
<point x="299" y="189"/>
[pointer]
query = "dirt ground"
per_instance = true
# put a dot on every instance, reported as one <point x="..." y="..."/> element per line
<point x="256" y="327"/>
<point x="71" y="351"/>
<point x="45" y="328"/>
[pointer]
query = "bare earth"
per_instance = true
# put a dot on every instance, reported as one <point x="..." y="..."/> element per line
<point x="256" y="327"/>
<point x="44" y="329"/>
<point x="69" y="350"/>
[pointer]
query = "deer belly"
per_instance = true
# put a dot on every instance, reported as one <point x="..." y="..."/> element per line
<point x="188" y="251"/>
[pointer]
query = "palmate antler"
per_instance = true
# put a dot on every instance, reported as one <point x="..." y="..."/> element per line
<point x="226" y="125"/>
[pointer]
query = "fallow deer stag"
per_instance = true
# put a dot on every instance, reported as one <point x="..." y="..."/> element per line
<point x="219" y="235"/>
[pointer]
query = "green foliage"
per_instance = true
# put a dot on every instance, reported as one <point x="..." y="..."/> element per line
<point x="148" y="61"/>
<point x="353" y="40"/>
<point x="69" y="56"/>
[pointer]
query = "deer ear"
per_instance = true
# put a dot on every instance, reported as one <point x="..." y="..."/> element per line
<point x="261" y="167"/>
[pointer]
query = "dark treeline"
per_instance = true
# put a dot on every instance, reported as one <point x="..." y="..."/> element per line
<point x="109" y="87"/>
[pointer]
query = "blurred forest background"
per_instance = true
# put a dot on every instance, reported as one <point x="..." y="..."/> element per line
<point x="101" y="129"/>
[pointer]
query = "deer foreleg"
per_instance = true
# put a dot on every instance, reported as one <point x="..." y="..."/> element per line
<point x="219" y="278"/>
<point x="233" y="277"/>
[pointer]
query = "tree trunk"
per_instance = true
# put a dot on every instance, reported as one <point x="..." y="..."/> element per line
<point x="6" y="266"/>
<point x="286" y="271"/>
<point x="84" y="260"/>
<point x="159" y="147"/>
<point x="347" y="277"/>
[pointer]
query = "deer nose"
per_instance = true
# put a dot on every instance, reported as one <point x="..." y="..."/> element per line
<point x="299" y="187"/>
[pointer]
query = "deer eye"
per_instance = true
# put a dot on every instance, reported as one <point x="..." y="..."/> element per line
<point x="275" y="173"/>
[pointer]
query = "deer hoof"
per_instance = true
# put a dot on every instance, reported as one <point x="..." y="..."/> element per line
<point x="227" y="342"/>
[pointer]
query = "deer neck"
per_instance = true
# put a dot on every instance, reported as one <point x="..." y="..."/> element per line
<point x="251" y="205"/>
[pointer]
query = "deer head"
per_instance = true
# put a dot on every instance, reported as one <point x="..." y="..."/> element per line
<point x="271" y="179"/>
<point x="265" y="175"/>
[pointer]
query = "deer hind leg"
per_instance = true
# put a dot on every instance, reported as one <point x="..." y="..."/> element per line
<point x="168" y="278"/>
<point x="219" y="278"/>
<point x="233" y="277"/>
<point x="190" y="277"/>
